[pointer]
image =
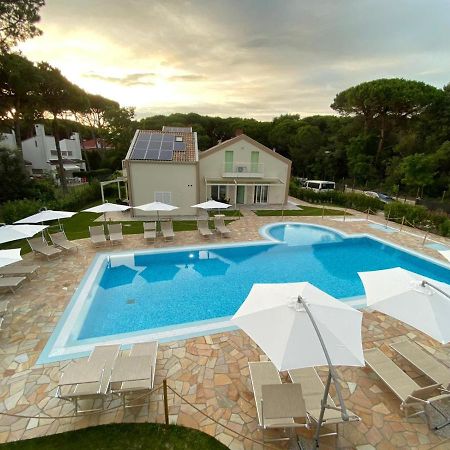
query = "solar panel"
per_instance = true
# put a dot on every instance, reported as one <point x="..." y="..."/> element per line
<point x="139" y="154"/>
<point x="152" y="154"/>
<point x="179" y="146"/>
<point x="166" y="155"/>
<point x="168" y="137"/>
<point x="154" y="146"/>
<point x="167" y="145"/>
<point x="156" y="137"/>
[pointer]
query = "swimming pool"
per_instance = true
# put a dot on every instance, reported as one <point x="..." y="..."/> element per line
<point x="171" y="294"/>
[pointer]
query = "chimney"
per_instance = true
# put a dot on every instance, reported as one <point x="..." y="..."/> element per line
<point x="238" y="131"/>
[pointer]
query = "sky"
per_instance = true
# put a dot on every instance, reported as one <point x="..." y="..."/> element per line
<point x="246" y="58"/>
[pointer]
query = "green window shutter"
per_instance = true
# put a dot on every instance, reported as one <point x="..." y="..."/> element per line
<point x="228" y="161"/>
<point x="254" y="162"/>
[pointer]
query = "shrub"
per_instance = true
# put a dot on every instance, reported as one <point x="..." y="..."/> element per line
<point x="18" y="209"/>
<point x="98" y="174"/>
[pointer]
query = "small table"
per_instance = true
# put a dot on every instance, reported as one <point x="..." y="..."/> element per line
<point x="131" y="368"/>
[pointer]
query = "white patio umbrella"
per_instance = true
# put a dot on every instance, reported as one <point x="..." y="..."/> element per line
<point x="10" y="233"/>
<point x="9" y="256"/>
<point x="45" y="216"/>
<point x="211" y="204"/>
<point x="156" y="207"/>
<point x="107" y="207"/>
<point x="297" y="325"/>
<point x="412" y="298"/>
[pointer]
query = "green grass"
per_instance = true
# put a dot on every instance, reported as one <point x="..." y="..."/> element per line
<point x="148" y="436"/>
<point x="306" y="211"/>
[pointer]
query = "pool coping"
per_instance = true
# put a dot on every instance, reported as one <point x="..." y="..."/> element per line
<point x="58" y="338"/>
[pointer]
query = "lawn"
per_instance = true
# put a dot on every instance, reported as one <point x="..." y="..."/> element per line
<point x="148" y="436"/>
<point x="305" y="211"/>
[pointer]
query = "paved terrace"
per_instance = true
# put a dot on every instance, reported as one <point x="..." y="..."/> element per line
<point x="211" y="372"/>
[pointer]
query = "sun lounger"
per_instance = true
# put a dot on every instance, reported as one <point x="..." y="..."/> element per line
<point x="97" y="234"/>
<point x="219" y="223"/>
<point x="40" y="246"/>
<point x="137" y="372"/>
<point x="60" y="240"/>
<point x="150" y="231"/>
<point x="19" y="270"/>
<point x="11" y="283"/>
<point x="313" y="390"/>
<point x="115" y="232"/>
<point x="167" y="230"/>
<point x="3" y="309"/>
<point x="424" y="362"/>
<point x="203" y="228"/>
<point x="88" y="379"/>
<point x="265" y="374"/>
<point x="404" y="387"/>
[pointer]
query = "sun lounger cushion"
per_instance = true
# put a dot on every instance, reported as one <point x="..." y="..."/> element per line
<point x="39" y="246"/>
<point x="11" y="282"/>
<point x="60" y="240"/>
<point x="19" y="270"/>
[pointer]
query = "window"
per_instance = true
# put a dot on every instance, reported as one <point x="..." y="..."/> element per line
<point x="260" y="194"/>
<point x="254" y="162"/>
<point x="228" y="161"/>
<point x="53" y="152"/>
<point x="69" y="153"/>
<point x="178" y="138"/>
<point x="163" y="197"/>
<point x="219" y="193"/>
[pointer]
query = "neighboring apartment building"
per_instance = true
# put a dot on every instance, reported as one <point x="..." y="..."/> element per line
<point x="166" y="166"/>
<point x="40" y="150"/>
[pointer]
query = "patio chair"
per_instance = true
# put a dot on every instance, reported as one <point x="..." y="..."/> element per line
<point x="313" y="390"/>
<point x="19" y="270"/>
<point x="97" y="234"/>
<point x="115" y="232"/>
<point x="265" y="373"/>
<point x="60" y="240"/>
<point x="219" y="223"/>
<point x="405" y="388"/>
<point x="167" y="230"/>
<point x="150" y="231"/>
<point x="40" y="246"/>
<point x="88" y="379"/>
<point x="203" y="228"/>
<point x="137" y="388"/>
<point x="11" y="283"/>
<point x="424" y="362"/>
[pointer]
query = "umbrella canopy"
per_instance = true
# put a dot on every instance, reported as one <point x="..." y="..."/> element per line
<point x="107" y="207"/>
<point x="211" y="204"/>
<point x="155" y="207"/>
<point x="292" y="341"/>
<point x="45" y="216"/>
<point x="10" y="233"/>
<point x="412" y="298"/>
<point x="9" y="256"/>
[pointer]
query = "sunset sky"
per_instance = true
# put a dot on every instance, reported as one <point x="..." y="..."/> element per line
<point x="249" y="58"/>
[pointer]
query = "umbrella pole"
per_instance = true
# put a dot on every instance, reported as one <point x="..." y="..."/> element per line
<point x="425" y="283"/>
<point x="331" y="375"/>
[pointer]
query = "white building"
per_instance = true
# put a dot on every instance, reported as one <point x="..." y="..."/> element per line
<point x="8" y="140"/>
<point x="40" y="151"/>
<point x="166" y="166"/>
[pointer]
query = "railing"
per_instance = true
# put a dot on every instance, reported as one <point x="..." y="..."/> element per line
<point x="243" y="169"/>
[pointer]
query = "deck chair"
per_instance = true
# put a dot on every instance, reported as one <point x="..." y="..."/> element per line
<point x="424" y="362"/>
<point x="19" y="270"/>
<point x="150" y="231"/>
<point x="219" y="223"/>
<point x="137" y="389"/>
<point x="88" y="380"/>
<point x="97" y="234"/>
<point x="115" y="232"/>
<point x="11" y="283"/>
<point x="265" y="373"/>
<point x="203" y="228"/>
<point x="40" y="246"/>
<point x="3" y="307"/>
<point x="60" y="240"/>
<point x="167" y="230"/>
<point x="405" y="388"/>
<point x="313" y="390"/>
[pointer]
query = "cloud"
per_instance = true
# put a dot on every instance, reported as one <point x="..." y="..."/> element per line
<point x="187" y="77"/>
<point x="132" y="79"/>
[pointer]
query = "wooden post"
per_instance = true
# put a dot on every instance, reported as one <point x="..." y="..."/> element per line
<point x="387" y="219"/>
<point x="367" y="215"/>
<point x="345" y="211"/>
<point x="166" y="404"/>
<point x="425" y="237"/>
<point x="403" y="221"/>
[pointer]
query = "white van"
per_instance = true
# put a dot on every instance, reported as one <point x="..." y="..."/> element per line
<point x="320" y="185"/>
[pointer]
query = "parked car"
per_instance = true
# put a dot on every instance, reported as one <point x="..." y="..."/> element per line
<point x="320" y="185"/>
<point x="380" y="196"/>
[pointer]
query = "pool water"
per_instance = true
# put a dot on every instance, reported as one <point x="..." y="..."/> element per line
<point x="170" y="288"/>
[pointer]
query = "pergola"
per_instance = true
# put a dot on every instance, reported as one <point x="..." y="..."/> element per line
<point x="118" y="181"/>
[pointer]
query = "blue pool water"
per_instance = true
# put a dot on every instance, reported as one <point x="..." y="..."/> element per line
<point x="157" y="290"/>
<point x="171" y="294"/>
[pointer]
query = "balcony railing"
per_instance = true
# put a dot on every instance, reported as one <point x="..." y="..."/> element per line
<point x="243" y="169"/>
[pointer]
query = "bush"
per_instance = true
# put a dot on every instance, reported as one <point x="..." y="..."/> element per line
<point x="18" y="209"/>
<point x="99" y="174"/>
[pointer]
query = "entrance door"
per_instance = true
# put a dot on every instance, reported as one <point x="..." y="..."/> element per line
<point x="240" y="195"/>
<point x="260" y="194"/>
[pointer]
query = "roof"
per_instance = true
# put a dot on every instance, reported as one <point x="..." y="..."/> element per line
<point x="243" y="137"/>
<point x="158" y="146"/>
<point x="55" y="162"/>
<point x="93" y="144"/>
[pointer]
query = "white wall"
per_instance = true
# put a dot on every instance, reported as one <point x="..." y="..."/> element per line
<point x="8" y="140"/>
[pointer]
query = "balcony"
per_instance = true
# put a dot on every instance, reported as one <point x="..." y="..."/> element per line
<point x="243" y="170"/>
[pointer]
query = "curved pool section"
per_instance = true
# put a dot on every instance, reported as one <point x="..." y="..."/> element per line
<point x="170" y="294"/>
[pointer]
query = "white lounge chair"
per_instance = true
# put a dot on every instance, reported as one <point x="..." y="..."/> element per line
<point x="97" y="234"/>
<point x="115" y="232"/>
<point x="203" y="228"/>
<point x="11" y="283"/>
<point x="167" y="230"/>
<point x="88" y="380"/>
<point x="219" y="223"/>
<point x="40" y="246"/>
<point x="19" y="270"/>
<point x="150" y="231"/>
<point x="60" y="240"/>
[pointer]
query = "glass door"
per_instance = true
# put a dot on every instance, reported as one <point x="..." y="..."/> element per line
<point x="229" y="161"/>
<point x="240" y="195"/>
<point x="260" y="194"/>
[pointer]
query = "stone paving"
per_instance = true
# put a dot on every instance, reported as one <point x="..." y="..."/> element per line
<point x="211" y="372"/>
